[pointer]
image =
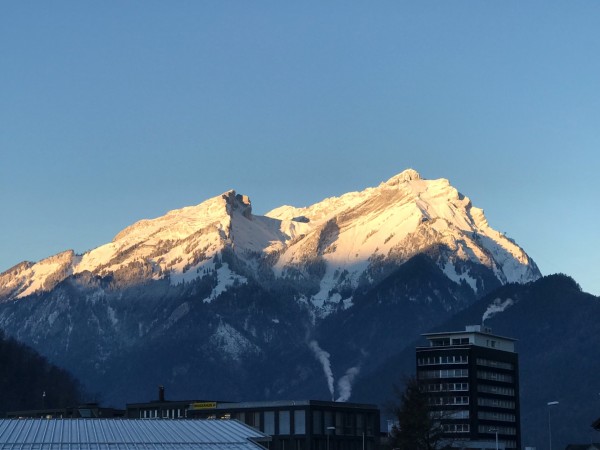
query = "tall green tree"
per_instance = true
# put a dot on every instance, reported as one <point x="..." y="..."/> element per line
<point x="418" y="427"/>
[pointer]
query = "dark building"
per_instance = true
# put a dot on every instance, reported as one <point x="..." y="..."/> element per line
<point x="302" y="425"/>
<point x="472" y="379"/>
<point x="160" y="408"/>
<point x="292" y="425"/>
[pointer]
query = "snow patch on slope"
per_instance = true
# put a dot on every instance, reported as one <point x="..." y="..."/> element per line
<point x="232" y="342"/>
<point x="450" y="271"/>
<point x="227" y="278"/>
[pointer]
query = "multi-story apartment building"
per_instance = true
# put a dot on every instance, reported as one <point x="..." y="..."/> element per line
<point x="472" y="381"/>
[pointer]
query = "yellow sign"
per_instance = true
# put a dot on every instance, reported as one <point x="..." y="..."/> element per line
<point x="204" y="405"/>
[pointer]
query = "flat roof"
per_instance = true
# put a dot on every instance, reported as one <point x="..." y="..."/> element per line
<point x="454" y="333"/>
<point x="290" y="403"/>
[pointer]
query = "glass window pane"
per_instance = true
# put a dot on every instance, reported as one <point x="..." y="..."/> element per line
<point x="317" y="422"/>
<point x="270" y="423"/>
<point x="284" y="422"/>
<point x="299" y="422"/>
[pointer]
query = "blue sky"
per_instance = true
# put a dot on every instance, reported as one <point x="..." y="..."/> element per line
<point x="115" y="111"/>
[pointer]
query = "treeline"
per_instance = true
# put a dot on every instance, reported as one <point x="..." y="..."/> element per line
<point x="29" y="381"/>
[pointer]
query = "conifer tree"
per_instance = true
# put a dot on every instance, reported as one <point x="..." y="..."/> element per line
<point x="418" y="427"/>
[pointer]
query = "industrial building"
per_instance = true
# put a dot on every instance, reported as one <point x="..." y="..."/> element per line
<point x="292" y="425"/>
<point x="472" y="381"/>
<point x="302" y="425"/>
<point x="161" y="408"/>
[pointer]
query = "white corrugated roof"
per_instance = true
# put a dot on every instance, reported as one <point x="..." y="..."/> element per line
<point x="125" y="434"/>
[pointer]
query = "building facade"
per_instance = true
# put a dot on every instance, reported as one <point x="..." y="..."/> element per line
<point x="472" y="381"/>
<point x="302" y="425"/>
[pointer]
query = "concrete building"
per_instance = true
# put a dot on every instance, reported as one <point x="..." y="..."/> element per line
<point x="472" y="380"/>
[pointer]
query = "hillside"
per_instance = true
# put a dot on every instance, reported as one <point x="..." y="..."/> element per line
<point x="29" y="381"/>
<point x="557" y="327"/>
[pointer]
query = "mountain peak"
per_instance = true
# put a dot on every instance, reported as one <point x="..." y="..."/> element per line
<point x="334" y="244"/>
<point x="403" y="177"/>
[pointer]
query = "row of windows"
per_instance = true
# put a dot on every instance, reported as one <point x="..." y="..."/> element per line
<point x="446" y="387"/>
<point x="494" y="376"/>
<point x="345" y="424"/>
<point x="492" y="363"/>
<point x="450" y="373"/>
<point x="165" y="413"/>
<point x="500" y="390"/>
<point x="456" y="428"/>
<point x="284" y="422"/>
<point x="501" y="430"/>
<point x="504" y="417"/>
<point x="458" y="400"/>
<point x="494" y="402"/>
<point x="433" y="360"/>
<point x="452" y="414"/>
<point x="444" y="342"/>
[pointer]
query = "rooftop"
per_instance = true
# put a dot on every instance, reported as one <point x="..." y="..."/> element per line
<point x="125" y="434"/>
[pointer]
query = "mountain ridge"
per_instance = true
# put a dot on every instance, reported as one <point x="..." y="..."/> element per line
<point x="355" y="234"/>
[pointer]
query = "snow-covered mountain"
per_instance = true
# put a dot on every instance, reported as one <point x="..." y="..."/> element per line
<point x="217" y="302"/>
<point x="326" y="249"/>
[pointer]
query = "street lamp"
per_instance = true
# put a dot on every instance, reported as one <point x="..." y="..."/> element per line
<point x="550" y="425"/>
<point x="495" y="430"/>
<point x="329" y="429"/>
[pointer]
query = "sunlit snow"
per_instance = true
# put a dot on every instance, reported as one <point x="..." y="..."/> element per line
<point x="402" y="216"/>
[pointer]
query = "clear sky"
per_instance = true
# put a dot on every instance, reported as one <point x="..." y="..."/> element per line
<point x="115" y="111"/>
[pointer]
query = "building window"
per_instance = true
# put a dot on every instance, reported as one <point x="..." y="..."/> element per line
<point x="328" y="420"/>
<point x="435" y="360"/>
<point x="299" y="422"/>
<point x="253" y="419"/>
<point x="456" y="428"/>
<point x="317" y="422"/>
<point x="484" y="429"/>
<point x="454" y="400"/>
<point x="269" y="423"/>
<point x="339" y="423"/>
<point x="443" y="342"/>
<point x="496" y="403"/>
<point x="452" y="414"/>
<point x="497" y="364"/>
<point x="371" y="425"/>
<point x="284" y="422"/>
<point x="500" y="390"/>
<point x="495" y="376"/>
<point x="503" y="417"/>
<point x="450" y="373"/>
<point x="360" y="424"/>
